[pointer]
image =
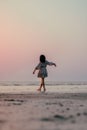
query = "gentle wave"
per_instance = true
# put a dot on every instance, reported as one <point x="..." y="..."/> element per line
<point x="34" y="83"/>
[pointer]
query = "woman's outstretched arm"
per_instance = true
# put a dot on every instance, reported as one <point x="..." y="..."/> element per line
<point x="51" y="63"/>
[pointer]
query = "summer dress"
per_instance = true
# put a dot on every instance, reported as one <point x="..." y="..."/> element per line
<point x="42" y="71"/>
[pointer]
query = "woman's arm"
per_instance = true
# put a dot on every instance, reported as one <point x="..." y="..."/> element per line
<point x="36" y="68"/>
<point x="51" y="63"/>
<point x="34" y="71"/>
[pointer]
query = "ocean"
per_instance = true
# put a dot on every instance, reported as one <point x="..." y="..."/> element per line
<point x="51" y="87"/>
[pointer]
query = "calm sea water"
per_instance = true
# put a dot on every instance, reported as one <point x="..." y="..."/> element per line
<point x="27" y="87"/>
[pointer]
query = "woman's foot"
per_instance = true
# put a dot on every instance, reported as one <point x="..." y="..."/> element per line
<point x="38" y="89"/>
<point x="45" y="90"/>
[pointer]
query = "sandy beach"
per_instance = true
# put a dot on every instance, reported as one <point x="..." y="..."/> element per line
<point x="43" y="111"/>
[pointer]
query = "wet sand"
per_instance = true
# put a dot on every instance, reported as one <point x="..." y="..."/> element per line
<point x="43" y="111"/>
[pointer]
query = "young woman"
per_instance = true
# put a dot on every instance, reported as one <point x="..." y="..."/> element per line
<point x="42" y="71"/>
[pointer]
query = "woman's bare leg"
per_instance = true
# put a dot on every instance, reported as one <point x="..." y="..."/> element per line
<point x="43" y="84"/>
<point x="39" y="89"/>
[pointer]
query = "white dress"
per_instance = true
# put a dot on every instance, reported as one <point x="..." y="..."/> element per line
<point x="42" y="71"/>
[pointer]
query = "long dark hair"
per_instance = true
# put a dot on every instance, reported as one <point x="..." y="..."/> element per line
<point x="42" y="58"/>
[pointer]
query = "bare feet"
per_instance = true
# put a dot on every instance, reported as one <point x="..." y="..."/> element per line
<point x="45" y="90"/>
<point x="38" y="89"/>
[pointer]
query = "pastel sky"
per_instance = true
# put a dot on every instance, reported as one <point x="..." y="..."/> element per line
<point x="56" y="28"/>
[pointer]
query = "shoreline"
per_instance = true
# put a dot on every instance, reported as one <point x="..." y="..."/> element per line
<point x="50" y="89"/>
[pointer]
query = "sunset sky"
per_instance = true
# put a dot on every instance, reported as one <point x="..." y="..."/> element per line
<point x="55" y="28"/>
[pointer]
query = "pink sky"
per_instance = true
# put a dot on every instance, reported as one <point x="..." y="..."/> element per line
<point x="28" y="29"/>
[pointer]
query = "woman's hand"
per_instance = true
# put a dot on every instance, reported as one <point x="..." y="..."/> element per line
<point x="34" y="71"/>
<point x="54" y="64"/>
